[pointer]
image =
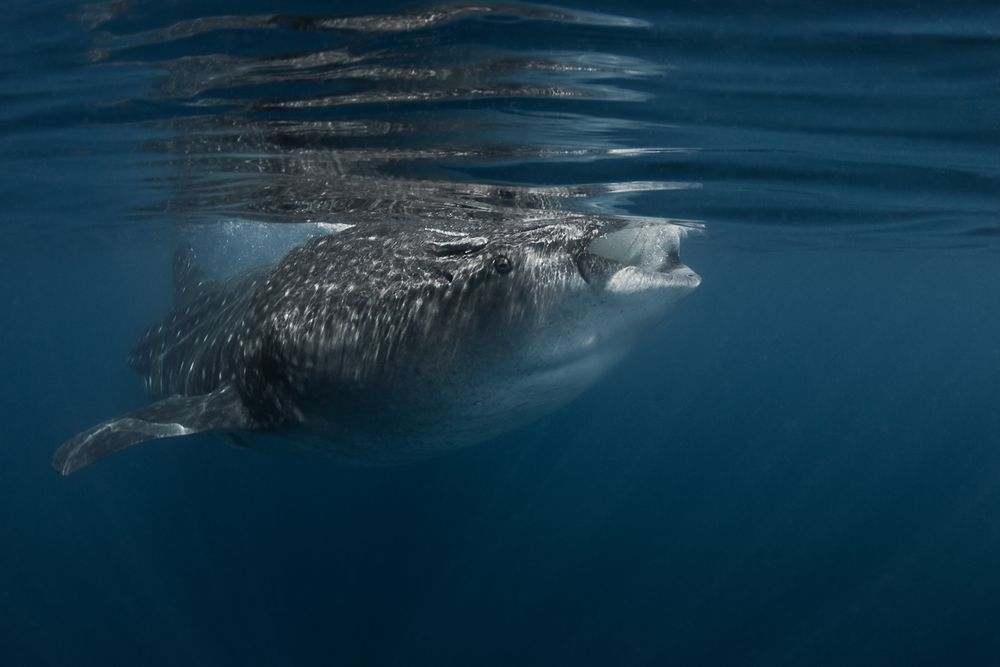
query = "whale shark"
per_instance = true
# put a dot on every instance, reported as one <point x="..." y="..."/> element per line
<point x="385" y="344"/>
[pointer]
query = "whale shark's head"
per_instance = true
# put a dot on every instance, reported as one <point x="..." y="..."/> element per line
<point x="555" y="293"/>
<point x="476" y="329"/>
<point x="550" y="308"/>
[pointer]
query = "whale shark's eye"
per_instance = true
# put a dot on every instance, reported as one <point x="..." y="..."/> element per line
<point x="502" y="264"/>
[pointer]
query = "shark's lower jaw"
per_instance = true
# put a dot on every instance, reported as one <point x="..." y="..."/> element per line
<point x="631" y="280"/>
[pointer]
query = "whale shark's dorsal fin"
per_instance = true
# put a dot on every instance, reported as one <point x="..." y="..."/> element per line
<point x="221" y="410"/>
<point x="188" y="274"/>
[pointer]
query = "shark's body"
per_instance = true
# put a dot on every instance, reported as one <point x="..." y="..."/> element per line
<point x="391" y="344"/>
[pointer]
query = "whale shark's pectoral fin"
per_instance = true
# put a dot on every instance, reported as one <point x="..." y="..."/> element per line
<point x="221" y="410"/>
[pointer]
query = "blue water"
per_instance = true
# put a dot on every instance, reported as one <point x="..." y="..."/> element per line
<point x="799" y="467"/>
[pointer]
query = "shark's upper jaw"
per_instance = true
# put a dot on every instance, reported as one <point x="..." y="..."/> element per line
<point x="637" y="258"/>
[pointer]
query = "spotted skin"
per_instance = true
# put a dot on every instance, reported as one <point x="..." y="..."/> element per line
<point x="389" y="344"/>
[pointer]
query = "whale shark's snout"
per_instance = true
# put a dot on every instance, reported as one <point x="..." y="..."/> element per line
<point x="637" y="258"/>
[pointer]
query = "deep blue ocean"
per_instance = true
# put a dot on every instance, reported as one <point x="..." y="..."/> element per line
<point x="800" y="466"/>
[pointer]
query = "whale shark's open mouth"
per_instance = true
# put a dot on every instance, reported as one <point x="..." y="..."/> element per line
<point x="636" y="258"/>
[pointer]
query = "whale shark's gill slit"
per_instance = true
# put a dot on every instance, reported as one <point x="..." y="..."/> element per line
<point x="460" y="246"/>
<point x="579" y="268"/>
